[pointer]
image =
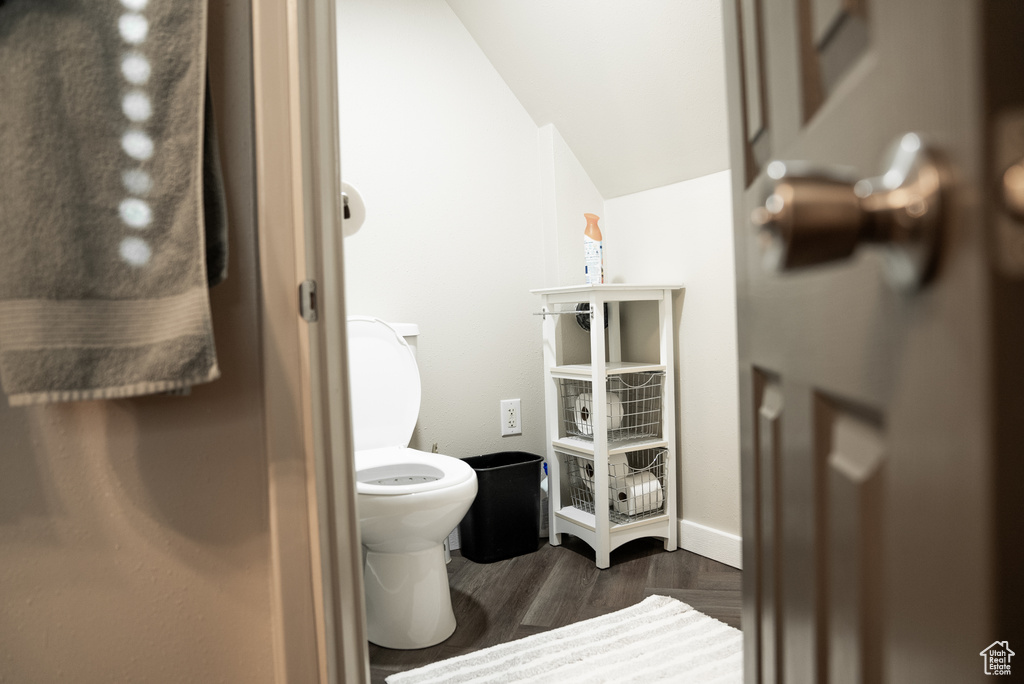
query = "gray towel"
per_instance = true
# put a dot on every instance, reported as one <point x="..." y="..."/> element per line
<point x="103" y="281"/>
<point x="215" y="209"/>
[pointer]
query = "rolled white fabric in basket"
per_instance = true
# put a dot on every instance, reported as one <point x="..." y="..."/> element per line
<point x="638" y="493"/>
<point x="618" y="467"/>
<point x="583" y="415"/>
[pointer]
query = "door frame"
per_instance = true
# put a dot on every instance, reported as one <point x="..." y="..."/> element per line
<point x="319" y="624"/>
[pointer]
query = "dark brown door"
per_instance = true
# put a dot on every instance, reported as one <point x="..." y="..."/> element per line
<point x="880" y="335"/>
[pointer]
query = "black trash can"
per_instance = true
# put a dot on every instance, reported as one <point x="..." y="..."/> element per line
<point x="504" y="520"/>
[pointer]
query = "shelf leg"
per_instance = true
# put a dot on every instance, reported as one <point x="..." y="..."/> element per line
<point x="603" y="560"/>
<point x="669" y="545"/>
<point x="555" y="539"/>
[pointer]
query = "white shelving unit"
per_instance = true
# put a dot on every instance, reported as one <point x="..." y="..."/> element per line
<point x="611" y="433"/>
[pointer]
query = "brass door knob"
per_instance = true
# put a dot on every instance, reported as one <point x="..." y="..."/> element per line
<point x="815" y="216"/>
<point x="1013" y="191"/>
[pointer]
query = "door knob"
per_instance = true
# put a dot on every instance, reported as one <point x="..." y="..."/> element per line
<point x="814" y="216"/>
<point x="1013" y="191"/>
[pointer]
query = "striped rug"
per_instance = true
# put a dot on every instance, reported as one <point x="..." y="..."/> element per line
<point x="659" y="639"/>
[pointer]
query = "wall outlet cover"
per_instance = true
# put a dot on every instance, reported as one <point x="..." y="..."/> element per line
<point x="511" y="417"/>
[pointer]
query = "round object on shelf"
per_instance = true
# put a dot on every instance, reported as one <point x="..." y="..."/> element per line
<point x="583" y="318"/>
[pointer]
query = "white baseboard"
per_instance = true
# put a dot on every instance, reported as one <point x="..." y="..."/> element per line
<point x="714" y="544"/>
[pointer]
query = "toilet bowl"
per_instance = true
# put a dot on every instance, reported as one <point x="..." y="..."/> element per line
<point x="408" y="500"/>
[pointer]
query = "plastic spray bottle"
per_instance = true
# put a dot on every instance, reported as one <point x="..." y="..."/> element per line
<point x="593" y="251"/>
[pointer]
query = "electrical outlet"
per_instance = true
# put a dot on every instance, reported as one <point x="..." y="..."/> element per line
<point x="511" y="417"/>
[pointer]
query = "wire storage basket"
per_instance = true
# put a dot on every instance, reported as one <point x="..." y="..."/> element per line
<point x="636" y="484"/>
<point x="633" y="406"/>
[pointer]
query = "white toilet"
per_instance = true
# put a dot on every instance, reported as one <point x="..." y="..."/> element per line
<point x="408" y="500"/>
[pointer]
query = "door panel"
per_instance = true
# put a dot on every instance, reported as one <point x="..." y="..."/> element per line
<point x="853" y="505"/>
<point x="749" y="20"/>
<point x="769" y="464"/>
<point x="833" y="35"/>
<point x="868" y="502"/>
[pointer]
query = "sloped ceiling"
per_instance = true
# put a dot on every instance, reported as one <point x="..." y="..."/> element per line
<point x="635" y="87"/>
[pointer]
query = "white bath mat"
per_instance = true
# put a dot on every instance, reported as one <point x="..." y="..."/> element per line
<point x="658" y="639"/>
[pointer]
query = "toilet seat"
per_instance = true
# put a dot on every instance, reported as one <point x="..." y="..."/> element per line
<point x="385" y="386"/>
<point x="384" y="381"/>
<point x="423" y="472"/>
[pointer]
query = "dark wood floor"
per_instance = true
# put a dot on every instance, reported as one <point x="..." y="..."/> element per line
<point x="559" y="585"/>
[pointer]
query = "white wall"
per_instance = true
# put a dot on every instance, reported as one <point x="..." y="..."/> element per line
<point x="447" y="162"/>
<point x="682" y="233"/>
<point x="569" y="193"/>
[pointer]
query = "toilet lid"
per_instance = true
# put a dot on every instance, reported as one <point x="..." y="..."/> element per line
<point x="384" y="382"/>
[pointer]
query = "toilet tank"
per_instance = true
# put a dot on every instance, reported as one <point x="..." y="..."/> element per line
<point x="409" y="332"/>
